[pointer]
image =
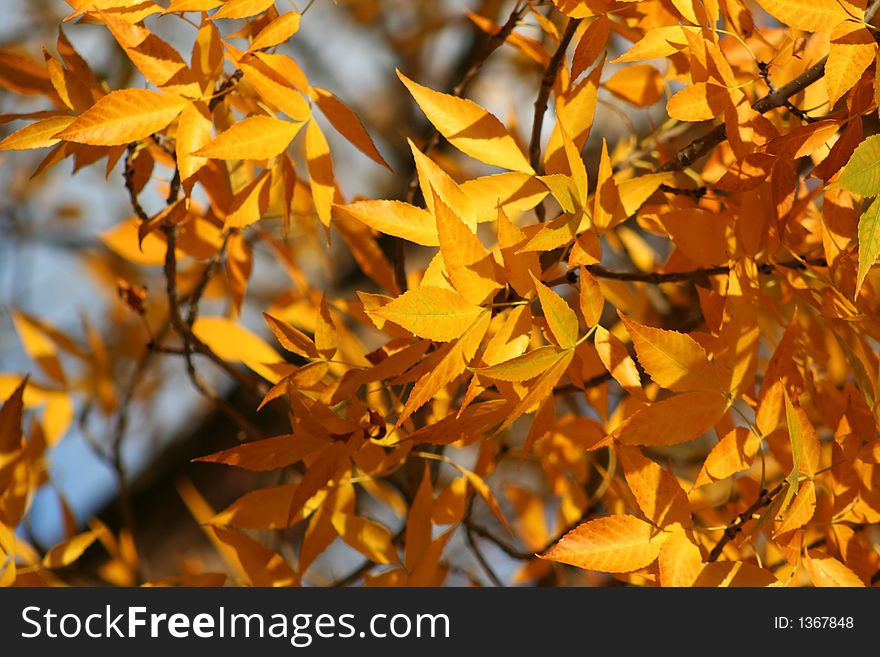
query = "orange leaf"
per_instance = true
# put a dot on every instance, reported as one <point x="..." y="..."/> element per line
<point x="348" y="124"/>
<point x="613" y="544"/>
<point x="124" y="116"/>
<point x="673" y="420"/>
<point x="255" y="138"/>
<point x="560" y="317"/>
<point x="469" y="127"/>
<point x="673" y="360"/>
<point x="734" y="453"/>
<point x="698" y="102"/>
<point x="826" y="571"/>
<point x="657" y="492"/>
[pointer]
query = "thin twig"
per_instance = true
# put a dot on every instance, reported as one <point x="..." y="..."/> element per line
<point x="657" y="278"/>
<point x="475" y="548"/>
<point x="550" y="75"/>
<point x="733" y="529"/>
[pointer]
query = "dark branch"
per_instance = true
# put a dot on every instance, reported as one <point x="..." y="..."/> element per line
<point x="733" y="529"/>
<point x="550" y="74"/>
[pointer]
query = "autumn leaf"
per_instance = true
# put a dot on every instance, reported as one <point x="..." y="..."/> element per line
<point x="230" y="340"/>
<point x="673" y="420"/>
<point x="674" y="360"/>
<point x="613" y="544"/>
<point x="123" y="117"/>
<point x="395" y="218"/>
<point x="734" y="453"/>
<point x="659" y="495"/>
<point x="40" y="134"/>
<point x="419" y="310"/>
<point x="254" y="138"/>
<point x="560" y="317"/>
<point x="698" y="102"/>
<point x="469" y="127"/>
<point x="861" y="175"/>
<point x="277" y="32"/>
<point x="826" y="571"/>
<point x="811" y="16"/>
<point x="67" y="552"/>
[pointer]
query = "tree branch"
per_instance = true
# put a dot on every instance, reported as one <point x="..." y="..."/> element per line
<point x="775" y="99"/>
<point x="550" y="74"/>
<point x="733" y="529"/>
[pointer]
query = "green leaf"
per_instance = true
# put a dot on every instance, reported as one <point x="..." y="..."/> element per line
<point x="861" y="175"/>
<point x="869" y="241"/>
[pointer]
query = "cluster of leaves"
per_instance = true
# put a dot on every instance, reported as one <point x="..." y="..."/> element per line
<point x="704" y="414"/>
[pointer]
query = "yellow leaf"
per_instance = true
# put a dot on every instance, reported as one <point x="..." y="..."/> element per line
<point x="734" y="574"/>
<point x="634" y="192"/>
<point x="291" y="338"/>
<point x="673" y="420"/>
<point x="321" y="179"/>
<point x="801" y="510"/>
<point x="69" y="551"/>
<point x="808" y="15"/>
<point x="262" y="566"/>
<point x="826" y="571"/>
<point x="417" y="535"/>
<point x="590" y="298"/>
<point x="254" y="138"/>
<point x="469" y="127"/>
<point x="560" y="317"/>
<point x="592" y="42"/>
<point x="276" y="32"/>
<point x="614" y="356"/>
<point x="448" y="362"/>
<point x="607" y="209"/>
<point x="658" y="493"/>
<point x="541" y="388"/>
<point x="639" y="84"/>
<point x="395" y="218"/>
<point x="154" y="58"/>
<point x="274" y="88"/>
<point x="123" y="240"/>
<point x="524" y="367"/>
<point x="123" y="117"/>
<point x="250" y="203"/>
<point x="192" y="5"/>
<point x="346" y="122"/>
<point x="232" y="342"/>
<point x="133" y="11"/>
<point x="267" y="454"/>
<point x="852" y="50"/>
<point x="367" y="537"/>
<point x="470" y="267"/>
<point x="680" y="561"/>
<point x="326" y="340"/>
<point x="434" y="180"/>
<point x="36" y="135"/>
<point x="613" y="544"/>
<point x="193" y="132"/>
<point x="575" y="110"/>
<point x="431" y="312"/>
<point x="39" y="346"/>
<point x="521" y="268"/>
<point x="734" y="453"/>
<point x="698" y="102"/>
<point x="242" y="8"/>
<point x="657" y="43"/>
<point x="514" y="192"/>
<point x="673" y="360"/>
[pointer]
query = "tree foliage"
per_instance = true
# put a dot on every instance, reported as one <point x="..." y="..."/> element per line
<point x="648" y="352"/>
